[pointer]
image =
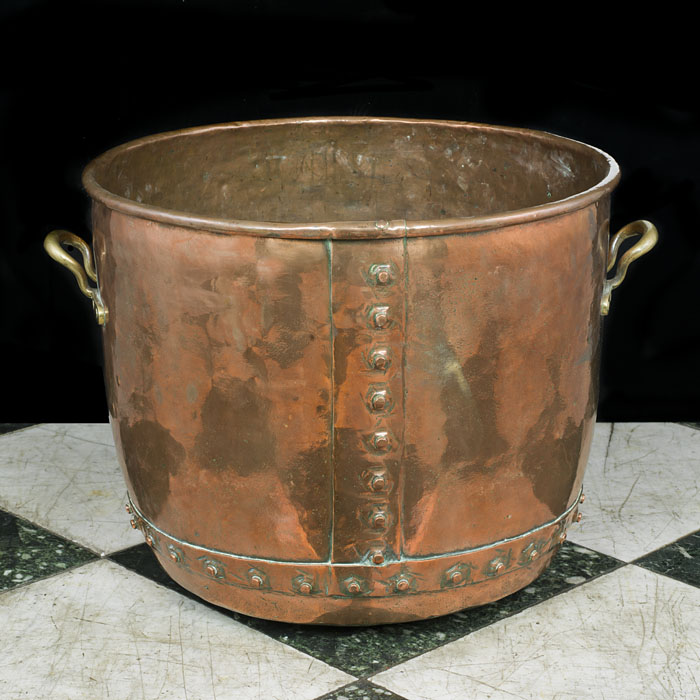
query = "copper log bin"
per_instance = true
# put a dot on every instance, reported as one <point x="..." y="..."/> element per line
<point x="352" y="363"/>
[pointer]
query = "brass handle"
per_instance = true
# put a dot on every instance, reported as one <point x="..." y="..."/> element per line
<point x="649" y="237"/>
<point x="53" y="245"/>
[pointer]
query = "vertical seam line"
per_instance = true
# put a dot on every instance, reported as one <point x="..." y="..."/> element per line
<point x="329" y="251"/>
<point x="402" y="465"/>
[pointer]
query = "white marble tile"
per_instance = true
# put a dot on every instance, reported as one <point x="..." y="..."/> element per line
<point x="599" y="446"/>
<point x="66" y="478"/>
<point x="628" y="635"/>
<point x="645" y="494"/>
<point x="101" y="631"/>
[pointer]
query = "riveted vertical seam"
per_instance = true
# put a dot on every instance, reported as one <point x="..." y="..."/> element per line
<point x="402" y="463"/>
<point x="329" y="251"/>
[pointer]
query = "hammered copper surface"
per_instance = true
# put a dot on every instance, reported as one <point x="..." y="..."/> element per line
<point x="377" y="419"/>
<point x="355" y="171"/>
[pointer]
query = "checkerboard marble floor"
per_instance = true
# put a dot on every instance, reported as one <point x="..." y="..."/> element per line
<point x="86" y="612"/>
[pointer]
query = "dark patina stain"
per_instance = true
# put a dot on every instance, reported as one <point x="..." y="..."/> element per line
<point x="467" y="389"/>
<point x="235" y="429"/>
<point x="306" y="483"/>
<point x="550" y="463"/>
<point x="256" y="362"/>
<point x="285" y="331"/>
<point x="140" y="405"/>
<point x="352" y="463"/>
<point x="152" y="456"/>
<point x="422" y="480"/>
<point x="349" y="450"/>
<point x="343" y="344"/>
<point x="471" y="425"/>
<point x="144" y="343"/>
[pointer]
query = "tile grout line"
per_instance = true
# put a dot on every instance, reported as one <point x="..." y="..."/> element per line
<point x="227" y="614"/>
<point x="188" y="595"/>
<point x="621" y="565"/>
<point x="89" y="548"/>
<point x="362" y="684"/>
<point x="367" y="677"/>
<point x="638" y="561"/>
<point x="362" y="677"/>
<point x="123" y="549"/>
<point x="664" y="546"/>
<point x="55" y="574"/>
<point x="362" y="680"/>
<point x="665" y="575"/>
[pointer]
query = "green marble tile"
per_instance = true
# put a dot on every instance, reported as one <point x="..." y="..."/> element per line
<point x="680" y="560"/>
<point x="362" y="690"/>
<point x="28" y="552"/>
<point x="363" y="651"/>
<point x="141" y="559"/>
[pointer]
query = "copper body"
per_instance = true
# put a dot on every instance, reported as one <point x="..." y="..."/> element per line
<point x="378" y="419"/>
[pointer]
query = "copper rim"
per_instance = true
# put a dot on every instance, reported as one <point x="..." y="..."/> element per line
<point x="397" y="228"/>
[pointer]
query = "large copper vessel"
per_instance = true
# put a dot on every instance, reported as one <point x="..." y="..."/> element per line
<point x="352" y="362"/>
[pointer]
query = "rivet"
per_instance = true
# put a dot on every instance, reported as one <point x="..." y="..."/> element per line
<point x="149" y="540"/>
<point x="534" y="554"/>
<point x="379" y="402"/>
<point x="354" y="587"/>
<point x="379" y="519"/>
<point x="579" y="517"/>
<point x="457" y="577"/>
<point x="562" y="537"/>
<point x="403" y="584"/>
<point x="256" y="580"/>
<point x="381" y="441"/>
<point x="378" y="558"/>
<point x="133" y="523"/>
<point x="305" y="588"/>
<point x="383" y="276"/>
<point x="378" y="483"/>
<point x="381" y="319"/>
<point x="379" y="361"/>
<point x="174" y="555"/>
<point x="127" y="508"/>
<point x="498" y="566"/>
<point x="583" y="498"/>
<point x="212" y="569"/>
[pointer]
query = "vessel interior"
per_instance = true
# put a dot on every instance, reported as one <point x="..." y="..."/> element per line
<point x="303" y="172"/>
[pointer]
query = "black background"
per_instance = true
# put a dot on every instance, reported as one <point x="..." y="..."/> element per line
<point x="80" y="78"/>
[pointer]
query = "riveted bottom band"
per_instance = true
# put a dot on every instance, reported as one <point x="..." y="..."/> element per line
<point x="360" y="593"/>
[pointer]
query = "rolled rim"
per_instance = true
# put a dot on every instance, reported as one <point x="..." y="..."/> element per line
<point x="397" y="228"/>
